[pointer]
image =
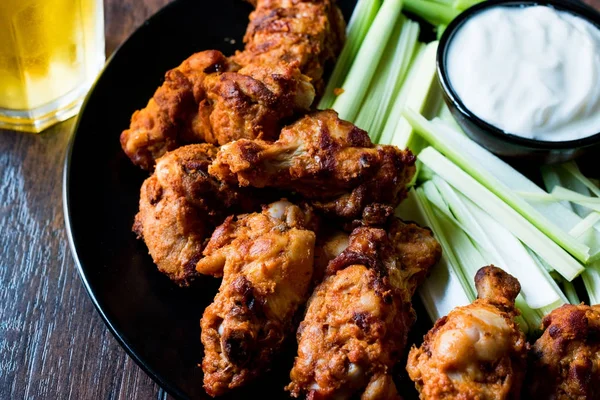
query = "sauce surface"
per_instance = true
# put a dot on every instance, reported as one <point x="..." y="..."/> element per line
<point x="530" y="71"/>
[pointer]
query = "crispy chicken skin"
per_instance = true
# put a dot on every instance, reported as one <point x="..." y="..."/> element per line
<point x="252" y="102"/>
<point x="330" y="162"/>
<point x="267" y="262"/>
<point x="235" y="230"/>
<point x="165" y="123"/>
<point x="476" y="351"/>
<point x="358" y="318"/>
<point x="564" y="363"/>
<point x="308" y="34"/>
<point x="214" y="99"/>
<point x="180" y="204"/>
<point x="210" y="99"/>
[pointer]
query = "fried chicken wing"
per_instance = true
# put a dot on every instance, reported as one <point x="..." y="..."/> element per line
<point x="164" y="124"/>
<point x="476" y="351"/>
<point x="214" y="99"/>
<point x="252" y="102"/>
<point x="357" y="320"/>
<point x="328" y="161"/>
<point x="564" y="363"/>
<point x="267" y="263"/>
<point x="210" y="99"/>
<point x="180" y="204"/>
<point x="234" y="230"/>
<point x="307" y="34"/>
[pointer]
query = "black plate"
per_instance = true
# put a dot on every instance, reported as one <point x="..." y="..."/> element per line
<point x="155" y="321"/>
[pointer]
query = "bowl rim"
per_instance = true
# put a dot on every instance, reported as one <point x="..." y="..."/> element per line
<point x="576" y="8"/>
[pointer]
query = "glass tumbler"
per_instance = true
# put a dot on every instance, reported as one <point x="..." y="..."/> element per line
<point x="50" y="53"/>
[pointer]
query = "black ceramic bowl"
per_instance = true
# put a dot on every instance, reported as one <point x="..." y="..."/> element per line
<point x="494" y="139"/>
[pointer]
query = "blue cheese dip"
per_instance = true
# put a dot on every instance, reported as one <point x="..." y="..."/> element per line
<point x="530" y="71"/>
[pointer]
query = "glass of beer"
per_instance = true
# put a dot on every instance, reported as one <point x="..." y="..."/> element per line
<point x="50" y="53"/>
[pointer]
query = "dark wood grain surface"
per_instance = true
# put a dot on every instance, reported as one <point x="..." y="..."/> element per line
<point x="53" y="343"/>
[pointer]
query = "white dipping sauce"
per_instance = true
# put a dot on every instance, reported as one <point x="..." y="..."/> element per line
<point x="530" y="71"/>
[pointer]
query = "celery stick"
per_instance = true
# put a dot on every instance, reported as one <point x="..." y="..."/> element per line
<point x="591" y="281"/>
<point x="439" y="30"/>
<point x="468" y="256"/>
<point x="554" y="175"/>
<point x="557" y="177"/>
<point x="462" y="150"/>
<point x="592" y="239"/>
<point x="537" y="287"/>
<point x="389" y="77"/>
<point x="443" y="290"/>
<point x="472" y="259"/>
<point x="523" y="229"/>
<point x="585" y="225"/>
<point x="403" y="62"/>
<point x="399" y="102"/>
<point x="529" y="320"/>
<point x="595" y="258"/>
<point x="480" y="158"/>
<point x="423" y="90"/>
<point x="572" y="168"/>
<point x="423" y="172"/>
<point x="371" y="50"/>
<point x="545" y="296"/>
<point x="551" y="176"/>
<point x="446" y="115"/>
<point x="573" y="196"/>
<point x="453" y="285"/>
<point x="446" y="118"/>
<point x="433" y="12"/>
<point x="434" y="197"/>
<point x="559" y="192"/>
<point x="544" y="265"/>
<point x="370" y="105"/>
<point x="563" y="216"/>
<point x="464" y="4"/>
<point x="571" y="292"/>
<point x="357" y="29"/>
<point x="537" y="196"/>
<point x="447" y="248"/>
<point x="462" y="214"/>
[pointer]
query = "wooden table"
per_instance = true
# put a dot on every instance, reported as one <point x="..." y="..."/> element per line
<point x="53" y="343"/>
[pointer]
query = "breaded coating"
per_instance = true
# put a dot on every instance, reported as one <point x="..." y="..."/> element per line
<point x="308" y="34"/>
<point x="330" y="162"/>
<point x="210" y="99"/>
<point x="213" y="99"/>
<point x="564" y="363"/>
<point x="357" y="320"/>
<point x="476" y="351"/>
<point x="165" y="123"/>
<point x="267" y="262"/>
<point x="225" y="237"/>
<point x="180" y="204"/>
<point x="252" y="102"/>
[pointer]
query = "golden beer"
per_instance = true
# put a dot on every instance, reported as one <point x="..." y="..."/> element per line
<point x="50" y="53"/>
